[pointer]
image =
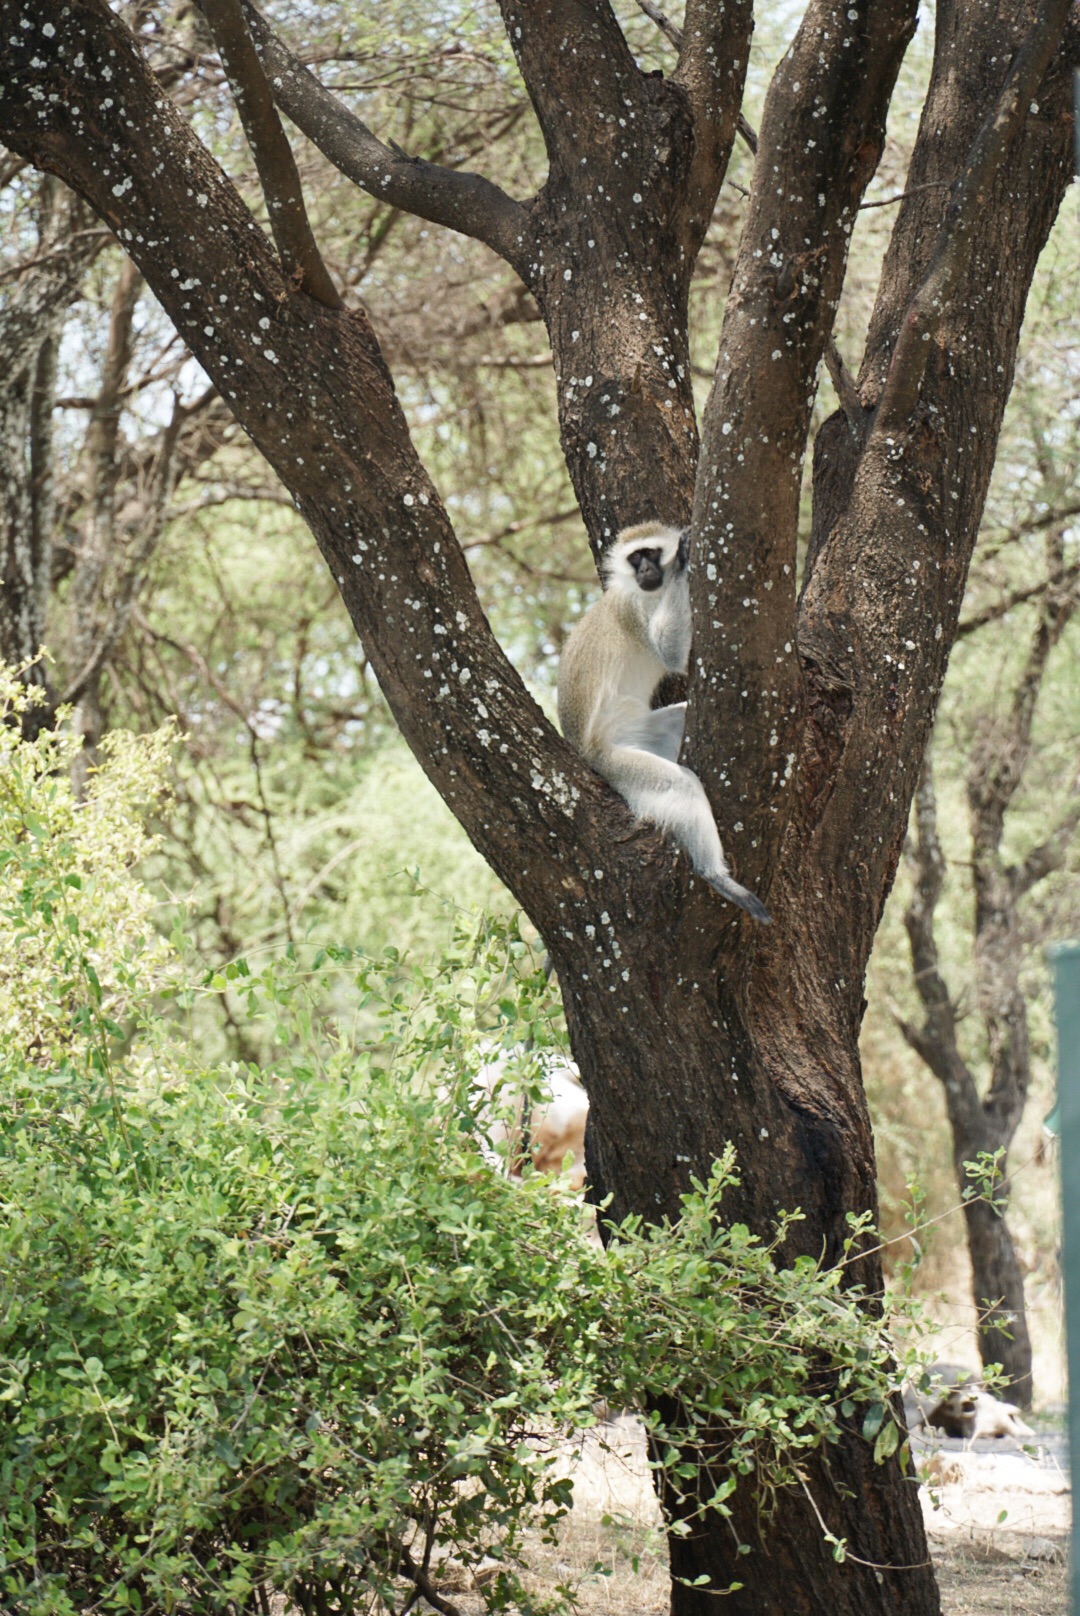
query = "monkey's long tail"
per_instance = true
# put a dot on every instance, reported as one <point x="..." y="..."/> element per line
<point x="734" y="893"/>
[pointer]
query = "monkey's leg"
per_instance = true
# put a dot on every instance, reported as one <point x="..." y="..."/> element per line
<point x="660" y="731"/>
<point x="674" y="797"/>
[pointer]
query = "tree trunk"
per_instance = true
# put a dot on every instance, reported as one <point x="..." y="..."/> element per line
<point x="807" y="725"/>
<point x="986" y="1124"/>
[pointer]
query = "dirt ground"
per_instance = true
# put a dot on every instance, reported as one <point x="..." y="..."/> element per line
<point x="997" y="1518"/>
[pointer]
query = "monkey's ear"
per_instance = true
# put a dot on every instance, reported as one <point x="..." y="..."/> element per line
<point x="683" y="553"/>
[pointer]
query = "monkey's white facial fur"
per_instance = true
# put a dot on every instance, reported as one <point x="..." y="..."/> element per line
<point x="645" y="557"/>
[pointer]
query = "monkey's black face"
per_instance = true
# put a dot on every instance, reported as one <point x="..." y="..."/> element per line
<point x="647" y="569"/>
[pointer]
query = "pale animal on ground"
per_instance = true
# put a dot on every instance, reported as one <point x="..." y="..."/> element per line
<point x="970" y="1412"/>
<point x="555" y="1134"/>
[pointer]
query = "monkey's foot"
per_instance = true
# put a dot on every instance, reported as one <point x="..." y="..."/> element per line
<point x="734" y="893"/>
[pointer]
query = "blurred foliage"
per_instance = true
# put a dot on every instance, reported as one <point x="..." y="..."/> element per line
<point x="77" y="935"/>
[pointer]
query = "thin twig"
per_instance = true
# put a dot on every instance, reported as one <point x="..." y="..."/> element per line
<point x="1001" y="608"/>
<point x="665" y="25"/>
<point x="901" y="196"/>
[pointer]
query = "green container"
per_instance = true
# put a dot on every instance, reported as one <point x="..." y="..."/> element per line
<point x="1065" y="959"/>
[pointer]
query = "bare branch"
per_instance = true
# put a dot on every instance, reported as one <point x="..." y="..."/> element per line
<point x="135" y="562"/>
<point x="748" y="134"/>
<point x="902" y="196"/>
<point x="847" y="392"/>
<point x="935" y="1042"/>
<point x="60" y="254"/>
<point x="1017" y="597"/>
<point x="1000" y="761"/>
<point x="278" y="174"/>
<point x="464" y="202"/>
<point x="673" y="32"/>
<point x="1054" y="517"/>
<point x="954" y="244"/>
<point x="426" y="1587"/>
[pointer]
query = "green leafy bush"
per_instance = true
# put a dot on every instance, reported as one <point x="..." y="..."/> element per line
<point x="286" y="1330"/>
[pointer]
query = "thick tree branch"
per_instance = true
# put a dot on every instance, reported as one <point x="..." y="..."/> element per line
<point x="581" y="77"/>
<point x="464" y="202"/>
<point x="895" y="526"/>
<point x="843" y="381"/>
<point x="713" y="55"/>
<point x="970" y="195"/>
<point x="274" y="160"/>
<point x="837" y="77"/>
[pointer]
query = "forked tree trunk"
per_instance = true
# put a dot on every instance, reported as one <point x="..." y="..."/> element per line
<point x="807" y="722"/>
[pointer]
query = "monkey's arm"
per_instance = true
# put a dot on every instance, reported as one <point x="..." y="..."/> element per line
<point x="669" y="627"/>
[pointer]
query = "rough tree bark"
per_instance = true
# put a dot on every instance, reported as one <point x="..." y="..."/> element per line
<point x="987" y="1122"/>
<point x="808" y="718"/>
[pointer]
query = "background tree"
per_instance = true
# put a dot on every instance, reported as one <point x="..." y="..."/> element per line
<point x="1004" y="879"/>
<point x="808" y="717"/>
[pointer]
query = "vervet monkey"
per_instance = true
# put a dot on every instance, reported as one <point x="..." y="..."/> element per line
<point x="638" y="631"/>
